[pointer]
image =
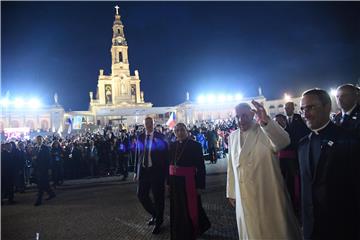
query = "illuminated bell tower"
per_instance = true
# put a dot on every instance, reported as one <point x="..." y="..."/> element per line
<point x="120" y="88"/>
<point x="119" y="48"/>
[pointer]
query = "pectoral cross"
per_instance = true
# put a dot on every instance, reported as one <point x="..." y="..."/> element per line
<point x="117" y="9"/>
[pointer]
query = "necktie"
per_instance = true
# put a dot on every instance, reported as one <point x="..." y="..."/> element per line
<point x="146" y="152"/>
<point x="289" y="120"/>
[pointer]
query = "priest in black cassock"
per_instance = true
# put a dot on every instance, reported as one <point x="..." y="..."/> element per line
<point x="187" y="175"/>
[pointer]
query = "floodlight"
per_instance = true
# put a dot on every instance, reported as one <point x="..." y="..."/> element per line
<point x="210" y="98"/>
<point x="5" y="102"/>
<point x="333" y="92"/>
<point x="287" y="97"/>
<point x="34" y="103"/>
<point x="19" y="102"/>
<point x="222" y="98"/>
<point x="238" y="97"/>
<point x="201" y="99"/>
<point x="229" y="98"/>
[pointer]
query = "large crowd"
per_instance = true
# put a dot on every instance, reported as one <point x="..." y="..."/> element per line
<point x="105" y="152"/>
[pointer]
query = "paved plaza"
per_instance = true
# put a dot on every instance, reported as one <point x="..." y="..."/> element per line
<point x="106" y="208"/>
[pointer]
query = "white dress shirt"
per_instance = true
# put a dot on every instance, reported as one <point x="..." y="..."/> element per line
<point x="151" y="137"/>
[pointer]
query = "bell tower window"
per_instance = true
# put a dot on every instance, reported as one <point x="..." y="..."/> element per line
<point x="119" y="31"/>
<point x="120" y="57"/>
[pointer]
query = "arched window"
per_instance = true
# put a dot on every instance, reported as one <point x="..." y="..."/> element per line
<point x="119" y="31"/>
<point x="272" y="107"/>
<point x="120" y="57"/>
<point x="280" y="106"/>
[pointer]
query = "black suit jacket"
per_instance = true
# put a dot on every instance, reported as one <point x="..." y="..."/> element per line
<point x="330" y="196"/>
<point x="352" y="124"/>
<point x="159" y="156"/>
<point x="296" y="130"/>
<point x="43" y="160"/>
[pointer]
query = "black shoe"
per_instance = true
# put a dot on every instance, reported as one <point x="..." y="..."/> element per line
<point x="51" y="196"/>
<point x="156" y="229"/>
<point x="152" y="221"/>
<point x="38" y="203"/>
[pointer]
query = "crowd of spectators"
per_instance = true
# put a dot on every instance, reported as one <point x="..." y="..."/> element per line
<point x="104" y="152"/>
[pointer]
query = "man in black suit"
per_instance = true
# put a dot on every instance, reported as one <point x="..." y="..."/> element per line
<point x="123" y="151"/>
<point x="151" y="171"/>
<point x="347" y="96"/>
<point x="289" y="163"/>
<point x="42" y="166"/>
<point x="329" y="166"/>
<point x="8" y="172"/>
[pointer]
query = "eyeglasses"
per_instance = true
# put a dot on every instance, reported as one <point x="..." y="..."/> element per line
<point x="308" y="108"/>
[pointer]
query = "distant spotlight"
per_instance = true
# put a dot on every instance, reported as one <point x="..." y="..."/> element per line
<point x="333" y="92"/>
<point x="5" y="102"/>
<point x="34" y="103"/>
<point x="238" y="97"/>
<point x="201" y="99"/>
<point x="222" y="98"/>
<point x="229" y="98"/>
<point x="287" y="97"/>
<point x="210" y="98"/>
<point x="19" y="102"/>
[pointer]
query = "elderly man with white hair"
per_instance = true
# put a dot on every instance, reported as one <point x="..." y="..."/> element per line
<point x="254" y="182"/>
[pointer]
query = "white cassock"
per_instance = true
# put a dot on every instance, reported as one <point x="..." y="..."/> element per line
<point x="263" y="208"/>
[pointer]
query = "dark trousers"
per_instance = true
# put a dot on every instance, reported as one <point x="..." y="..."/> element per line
<point x="7" y="188"/>
<point x="149" y="180"/>
<point x="43" y="186"/>
<point x="123" y="164"/>
<point x="93" y="167"/>
<point x="57" y="173"/>
<point x="290" y="171"/>
<point x="213" y="154"/>
<point x="20" y="181"/>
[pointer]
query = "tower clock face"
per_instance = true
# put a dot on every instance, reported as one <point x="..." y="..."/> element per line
<point x="119" y="41"/>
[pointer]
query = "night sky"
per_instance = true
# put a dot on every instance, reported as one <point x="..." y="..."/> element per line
<point x="200" y="47"/>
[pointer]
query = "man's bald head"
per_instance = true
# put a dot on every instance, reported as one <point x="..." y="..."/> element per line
<point x="347" y="96"/>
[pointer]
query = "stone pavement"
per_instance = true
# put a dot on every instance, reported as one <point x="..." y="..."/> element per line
<point x="108" y="209"/>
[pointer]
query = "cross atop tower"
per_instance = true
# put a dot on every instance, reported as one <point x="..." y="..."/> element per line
<point x="117" y="9"/>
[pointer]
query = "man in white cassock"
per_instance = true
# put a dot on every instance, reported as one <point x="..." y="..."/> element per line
<point x="255" y="186"/>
